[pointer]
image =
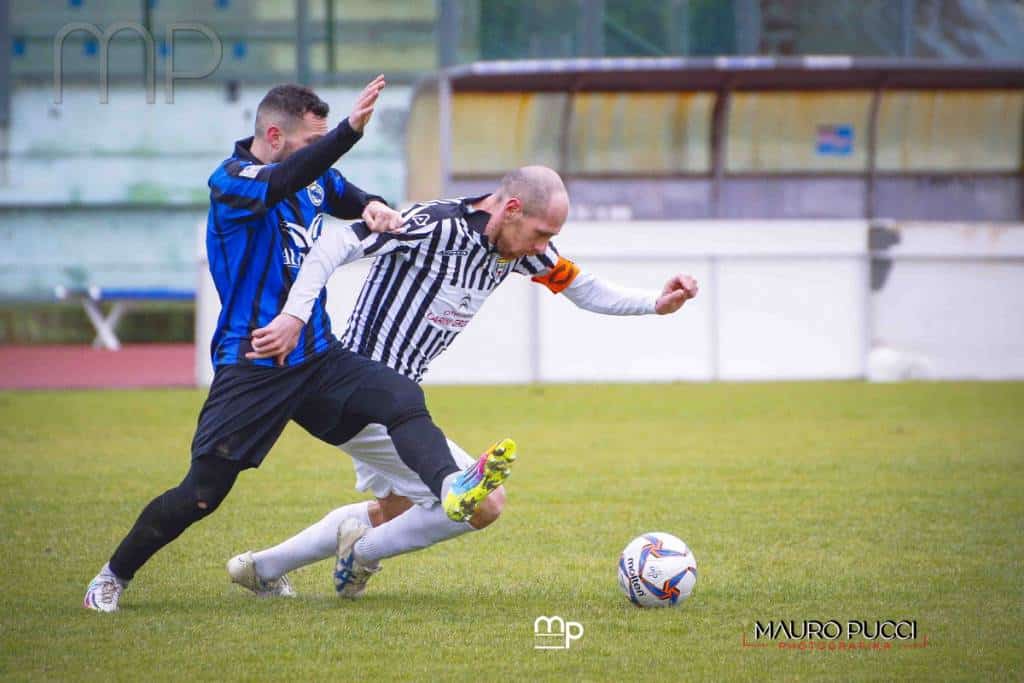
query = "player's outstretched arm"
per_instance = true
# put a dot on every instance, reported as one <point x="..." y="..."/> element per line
<point x="591" y="293"/>
<point x="337" y="245"/>
<point x="312" y="161"/>
<point x="353" y="201"/>
<point x="309" y="163"/>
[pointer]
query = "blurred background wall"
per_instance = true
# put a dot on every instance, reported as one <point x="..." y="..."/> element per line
<point x="96" y="194"/>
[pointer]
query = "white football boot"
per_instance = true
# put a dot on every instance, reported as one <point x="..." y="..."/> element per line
<point x="103" y="592"/>
<point x="350" y="576"/>
<point x="242" y="570"/>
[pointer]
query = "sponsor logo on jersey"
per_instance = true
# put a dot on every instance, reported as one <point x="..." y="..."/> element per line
<point x="298" y="239"/>
<point x="448" y="315"/>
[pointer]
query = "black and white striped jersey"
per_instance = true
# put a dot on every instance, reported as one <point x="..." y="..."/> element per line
<point x="428" y="282"/>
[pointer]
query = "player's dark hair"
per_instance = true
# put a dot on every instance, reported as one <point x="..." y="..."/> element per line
<point x="291" y="102"/>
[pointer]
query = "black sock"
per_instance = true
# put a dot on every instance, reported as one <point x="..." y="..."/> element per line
<point x="208" y="481"/>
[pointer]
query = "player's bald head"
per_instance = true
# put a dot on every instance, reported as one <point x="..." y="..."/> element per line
<point x="539" y="189"/>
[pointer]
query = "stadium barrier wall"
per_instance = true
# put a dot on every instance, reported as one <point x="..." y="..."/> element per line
<point x="780" y="300"/>
<point x="952" y="304"/>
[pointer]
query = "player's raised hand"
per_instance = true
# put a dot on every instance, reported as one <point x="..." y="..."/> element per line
<point x="380" y="217"/>
<point x="363" y="109"/>
<point x="678" y="290"/>
<point x="277" y="339"/>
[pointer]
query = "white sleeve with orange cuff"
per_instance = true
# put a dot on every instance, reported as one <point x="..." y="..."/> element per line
<point x="591" y="293"/>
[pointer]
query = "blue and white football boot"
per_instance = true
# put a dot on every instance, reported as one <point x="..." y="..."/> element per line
<point x="350" y="575"/>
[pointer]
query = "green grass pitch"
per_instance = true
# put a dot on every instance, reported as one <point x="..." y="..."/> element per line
<point x="801" y="501"/>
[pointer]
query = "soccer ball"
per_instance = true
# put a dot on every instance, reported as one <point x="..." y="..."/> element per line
<point x="657" y="570"/>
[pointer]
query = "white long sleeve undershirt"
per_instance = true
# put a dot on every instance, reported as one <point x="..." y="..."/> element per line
<point x="336" y="246"/>
<point x="592" y="294"/>
<point x="339" y="245"/>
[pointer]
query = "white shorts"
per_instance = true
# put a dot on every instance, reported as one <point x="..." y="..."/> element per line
<point x="380" y="470"/>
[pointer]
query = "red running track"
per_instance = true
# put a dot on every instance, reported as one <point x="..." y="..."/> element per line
<point x="82" y="367"/>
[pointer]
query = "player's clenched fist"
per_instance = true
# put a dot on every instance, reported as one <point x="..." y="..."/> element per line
<point x="678" y="290"/>
<point x="380" y="217"/>
<point x="277" y="339"/>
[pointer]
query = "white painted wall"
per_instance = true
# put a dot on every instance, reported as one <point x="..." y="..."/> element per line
<point x="779" y="300"/>
<point x="781" y="314"/>
<point x="953" y="305"/>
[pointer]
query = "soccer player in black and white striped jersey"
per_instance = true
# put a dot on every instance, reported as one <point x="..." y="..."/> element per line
<point x="427" y="283"/>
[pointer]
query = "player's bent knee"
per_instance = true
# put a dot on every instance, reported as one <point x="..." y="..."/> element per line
<point x="208" y="500"/>
<point x="205" y="486"/>
<point x="392" y="506"/>
<point x="409" y="403"/>
<point x="392" y="401"/>
<point x="405" y="398"/>
<point x="489" y="509"/>
<point x="206" y="496"/>
<point x="375" y="512"/>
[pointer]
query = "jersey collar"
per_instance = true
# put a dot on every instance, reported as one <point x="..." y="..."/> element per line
<point x="477" y="219"/>
<point x="243" y="150"/>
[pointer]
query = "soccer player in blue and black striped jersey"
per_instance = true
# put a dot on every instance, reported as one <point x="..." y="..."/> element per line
<point x="267" y="202"/>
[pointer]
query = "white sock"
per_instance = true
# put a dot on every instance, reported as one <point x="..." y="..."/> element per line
<point x="312" y="544"/>
<point x="416" y="528"/>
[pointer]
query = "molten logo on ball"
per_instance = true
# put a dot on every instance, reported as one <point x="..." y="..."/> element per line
<point x="657" y="570"/>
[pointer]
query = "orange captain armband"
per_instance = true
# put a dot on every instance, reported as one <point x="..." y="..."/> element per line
<point x="559" y="277"/>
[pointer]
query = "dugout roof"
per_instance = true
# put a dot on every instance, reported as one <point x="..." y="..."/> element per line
<point x="736" y="73"/>
<point x="733" y="137"/>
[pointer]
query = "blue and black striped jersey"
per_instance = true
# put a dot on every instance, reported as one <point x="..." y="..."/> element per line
<point x="255" y="247"/>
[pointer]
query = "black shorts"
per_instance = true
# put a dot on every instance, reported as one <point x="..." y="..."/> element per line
<point x="249" y="406"/>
